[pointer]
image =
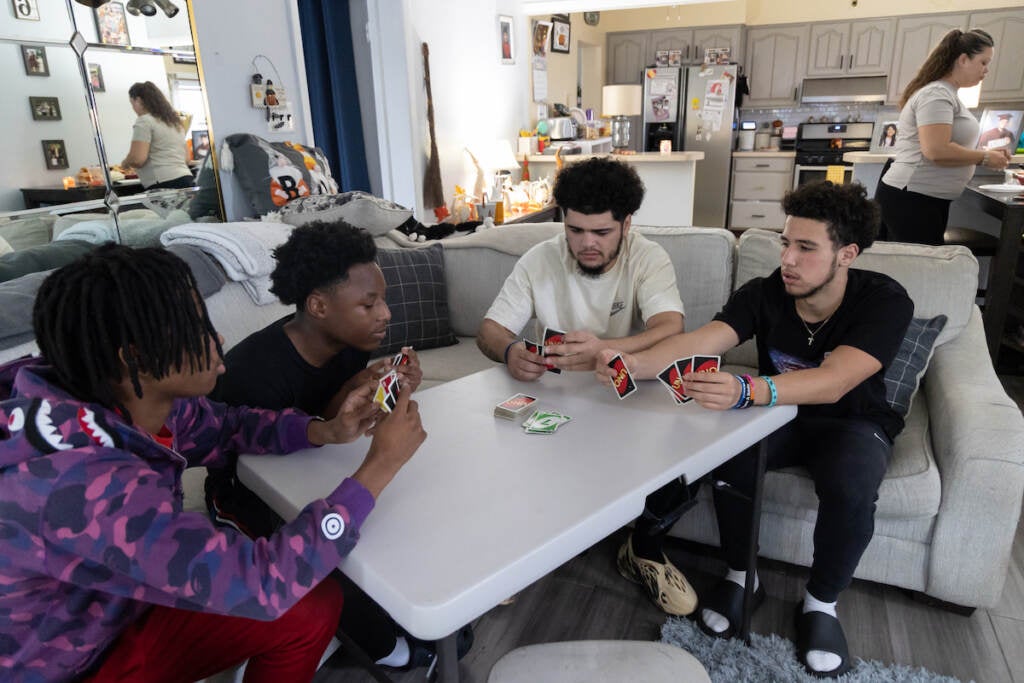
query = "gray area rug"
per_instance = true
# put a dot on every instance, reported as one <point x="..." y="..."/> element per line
<point x="773" y="659"/>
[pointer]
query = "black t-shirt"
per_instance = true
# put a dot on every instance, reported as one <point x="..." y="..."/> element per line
<point x="265" y="371"/>
<point x="872" y="317"/>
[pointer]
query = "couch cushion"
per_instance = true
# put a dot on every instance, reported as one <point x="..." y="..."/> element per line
<point x="273" y="174"/>
<point x="418" y="298"/>
<point x="904" y="374"/>
<point x="23" y="232"/>
<point x="361" y="209"/>
<point x="42" y="257"/>
<point x="17" y="297"/>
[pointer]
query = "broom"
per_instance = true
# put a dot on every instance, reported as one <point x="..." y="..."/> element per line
<point x="433" y="192"/>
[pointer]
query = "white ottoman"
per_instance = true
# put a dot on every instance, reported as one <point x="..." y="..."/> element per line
<point x="597" y="661"/>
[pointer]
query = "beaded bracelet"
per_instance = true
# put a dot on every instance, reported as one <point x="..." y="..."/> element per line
<point x="744" y="392"/>
<point x="771" y="387"/>
<point x="509" y="348"/>
<point x="750" y="390"/>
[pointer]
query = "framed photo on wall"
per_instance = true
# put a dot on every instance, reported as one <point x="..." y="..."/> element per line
<point x="34" y="57"/>
<point x="44" y="108"/>
<point x="1000" y="129"/>
<point x="200" y="144"/>
<point x="112" y="24"/>
<point x="96" y="78"/>
<point x="26" y="9"/>
<point x="541" y="31"/>
<point x="560" y="36"/>
<point x="55" y="154"/>
<point x="506" y="39"/>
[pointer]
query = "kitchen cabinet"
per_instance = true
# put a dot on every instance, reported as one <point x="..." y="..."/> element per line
<point x="670" y="39"/>
<point x="630" y="51"/>
<point x="1005" y="79"/>
<point x="776" y="63"/>
<point x="759" y="180"/>
<point x="851" y="48"/>
<point x="718" y="36"/>
<point x="916" y="36"/>
<point x="627" y="56"/>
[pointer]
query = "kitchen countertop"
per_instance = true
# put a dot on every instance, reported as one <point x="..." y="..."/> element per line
<point x="789" y="154"/>
<point x="639" y="158"/>
<point x="876" y="158"/>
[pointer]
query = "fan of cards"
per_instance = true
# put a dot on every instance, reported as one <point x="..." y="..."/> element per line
<point x="672" y="376"/>
<point x="386" y="395"/>
<point x="551" y="336"/>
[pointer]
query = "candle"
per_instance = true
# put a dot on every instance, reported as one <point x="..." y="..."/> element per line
<point x="69" y="182"/>
<point x="666" y="146"/>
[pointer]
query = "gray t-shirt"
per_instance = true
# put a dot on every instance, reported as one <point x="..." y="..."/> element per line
<point x="936" y="102"/>
<point x="166" y="150"/>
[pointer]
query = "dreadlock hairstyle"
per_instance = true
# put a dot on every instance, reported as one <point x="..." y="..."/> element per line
<point x="120" y="305"/>
<point x="940" y="62"/>
<point x="318" y="255"/>
<point x="155" y="103"/>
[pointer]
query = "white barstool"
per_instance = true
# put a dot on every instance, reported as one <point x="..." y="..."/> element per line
<point x="598" y="661"/>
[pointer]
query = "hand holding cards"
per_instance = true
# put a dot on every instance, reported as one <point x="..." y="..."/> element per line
<point x="551" y="337"/>
<point x="672" y="376"/>
<point x="622" y="382"/>
<point x="386" y="395"/>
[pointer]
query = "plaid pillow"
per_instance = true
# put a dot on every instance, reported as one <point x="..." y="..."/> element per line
<point x="418" y="298"/>
<point x="904" y="373"/>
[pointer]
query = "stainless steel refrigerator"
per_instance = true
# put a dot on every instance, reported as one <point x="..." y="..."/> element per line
<point x="699" y="117"/>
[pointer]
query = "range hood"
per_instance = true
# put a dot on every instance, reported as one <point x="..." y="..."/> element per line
<point x="839" y="90"/>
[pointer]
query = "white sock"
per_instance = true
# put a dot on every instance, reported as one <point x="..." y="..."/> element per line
<point x="717" y="622"/>
<point x="399" y="656"/>
<point x="819" y="660"/>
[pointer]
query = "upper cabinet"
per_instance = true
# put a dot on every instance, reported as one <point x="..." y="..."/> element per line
<point x="718" y="36"/>
<point x="1005" y="79"/>
<point x="627" y="55"/>
<point x="776" y="61"/>
<point x="851" y="48"/>
<point x="670" y="39"/>
<point x="630" y="51"/>
<point x="916" y="36"/>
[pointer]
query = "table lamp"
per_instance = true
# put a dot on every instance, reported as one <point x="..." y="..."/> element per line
<point x="495" y="161"/>
<point x="620" y="102"/>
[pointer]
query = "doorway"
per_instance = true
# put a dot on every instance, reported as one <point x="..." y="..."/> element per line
<point x="589" y="77"/>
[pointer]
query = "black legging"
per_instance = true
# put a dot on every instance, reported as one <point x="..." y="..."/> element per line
<point x="910" y="216"/>
<point x="847" y="459"/>
<point x="176" y="184"/>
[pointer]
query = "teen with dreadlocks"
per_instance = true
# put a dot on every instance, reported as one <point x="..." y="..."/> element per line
<point x="104" y="577"/>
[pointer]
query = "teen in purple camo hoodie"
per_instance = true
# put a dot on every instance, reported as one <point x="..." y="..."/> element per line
<point x="92" y="532"/>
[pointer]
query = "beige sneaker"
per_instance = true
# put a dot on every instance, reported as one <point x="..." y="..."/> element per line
<point x="665" y="584"/>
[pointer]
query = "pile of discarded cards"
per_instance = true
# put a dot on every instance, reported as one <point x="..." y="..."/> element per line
<point x="544" y="422"/>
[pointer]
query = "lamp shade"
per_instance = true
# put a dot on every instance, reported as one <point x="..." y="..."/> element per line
<point x="621" y="100"/>
<point x="970" y="96"/>
<point x="495" y="155"/>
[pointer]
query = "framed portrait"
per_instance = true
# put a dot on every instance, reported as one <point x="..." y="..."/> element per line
<point x="1000" y="129"/>
<point x="34" y="57"/>
<point x="26" y="9"/>
<point x="96" y="78"/>
<point x="661" y="58"/>
<point x="44" y="108"/>
<point x="200" y="144"/>
<point x="506" y="40"/>
<point x="111" y="24"/>
<point x="560" y="36"/>
<point x="675" y="57"/>
<point x="884" y="138"/>
<point x="54" y="154"/>
<point x="541" y="31"/>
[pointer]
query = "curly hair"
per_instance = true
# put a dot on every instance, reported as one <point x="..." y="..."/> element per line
<point x="120" y="306"/>
<point x="155" y="103"/>
<point x="850" y="216"/>
<point x="940" y="62"/>
<point x="597" y="185"/>
<point x="318" y="255"/>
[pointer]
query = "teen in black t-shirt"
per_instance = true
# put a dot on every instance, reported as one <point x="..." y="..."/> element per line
<point x="825" y="334"/>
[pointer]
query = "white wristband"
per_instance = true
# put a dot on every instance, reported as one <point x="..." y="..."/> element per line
<point x="984" y="158"/>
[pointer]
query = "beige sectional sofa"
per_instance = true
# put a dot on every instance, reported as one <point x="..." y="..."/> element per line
<point x="949" y="506"/>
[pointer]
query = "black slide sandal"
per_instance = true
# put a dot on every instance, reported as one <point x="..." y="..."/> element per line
<point x="726" y="598"/>
<point x="820" y="631"/>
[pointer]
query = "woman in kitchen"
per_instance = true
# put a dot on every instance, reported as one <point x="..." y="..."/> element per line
<point x="157" y="151"/>
<point x="935" y="151"/>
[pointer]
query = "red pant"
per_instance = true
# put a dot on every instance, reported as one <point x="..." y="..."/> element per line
<point x="175" y="645"/>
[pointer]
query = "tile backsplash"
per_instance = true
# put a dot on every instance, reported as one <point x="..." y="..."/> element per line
<point x="791" y="116"/>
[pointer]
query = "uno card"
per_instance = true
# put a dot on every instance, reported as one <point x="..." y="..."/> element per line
<point x="552" y="336"/>
<point x="673" y="381"/>
<point x="623" y="381"/>
<point x="386" y="395"/>
<point x="684" y="365"/>
<point x="401" y="358"/>
<point x="533" y="347"/>
<point x="706" y="363"/>
<point x="514" y="406"/>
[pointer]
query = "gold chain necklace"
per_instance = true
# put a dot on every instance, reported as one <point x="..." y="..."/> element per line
<point x="810" y="335"/>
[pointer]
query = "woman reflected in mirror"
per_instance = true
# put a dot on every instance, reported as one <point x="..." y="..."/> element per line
<point x="157" y="149"/>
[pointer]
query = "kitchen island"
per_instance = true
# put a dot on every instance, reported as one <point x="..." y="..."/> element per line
<point x="669" y="179"/>
<point x="867" y="167"/>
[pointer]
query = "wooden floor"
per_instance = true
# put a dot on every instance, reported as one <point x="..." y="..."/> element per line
<point x="585" y="599"/>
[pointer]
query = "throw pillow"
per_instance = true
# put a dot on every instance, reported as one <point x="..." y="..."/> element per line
<point x="904" y="373"/>
<point x="269" y="177"/>
<point x="418" y="298"/>
<point x="373" y="214"/>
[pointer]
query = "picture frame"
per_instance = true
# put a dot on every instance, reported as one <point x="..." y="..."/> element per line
<point x="1000" y="129"/>
<point x="661" y="58"/>
<point x="883" y="139"/>
<point x="44" y="108"/>
<point x="26" y="9"/>
<point x="541" y="31"/>
<point x="55" y="155"/>
<point x="506" y="40"/>
<point x="560" y="36"/>
<point x="96" y="78"/>
<point x="675" y="57"/>
<point x="112" y="24"/>
<point x="34" y="58"/>
<point x="200" y="144"/>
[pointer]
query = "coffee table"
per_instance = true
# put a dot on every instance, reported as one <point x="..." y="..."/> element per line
<point x="483" y="509"/>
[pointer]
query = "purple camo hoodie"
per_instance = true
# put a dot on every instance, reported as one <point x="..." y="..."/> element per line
<point x="92" y="530"/>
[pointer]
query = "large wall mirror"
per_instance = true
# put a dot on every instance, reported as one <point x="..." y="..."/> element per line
<point x="67" y="70"/>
